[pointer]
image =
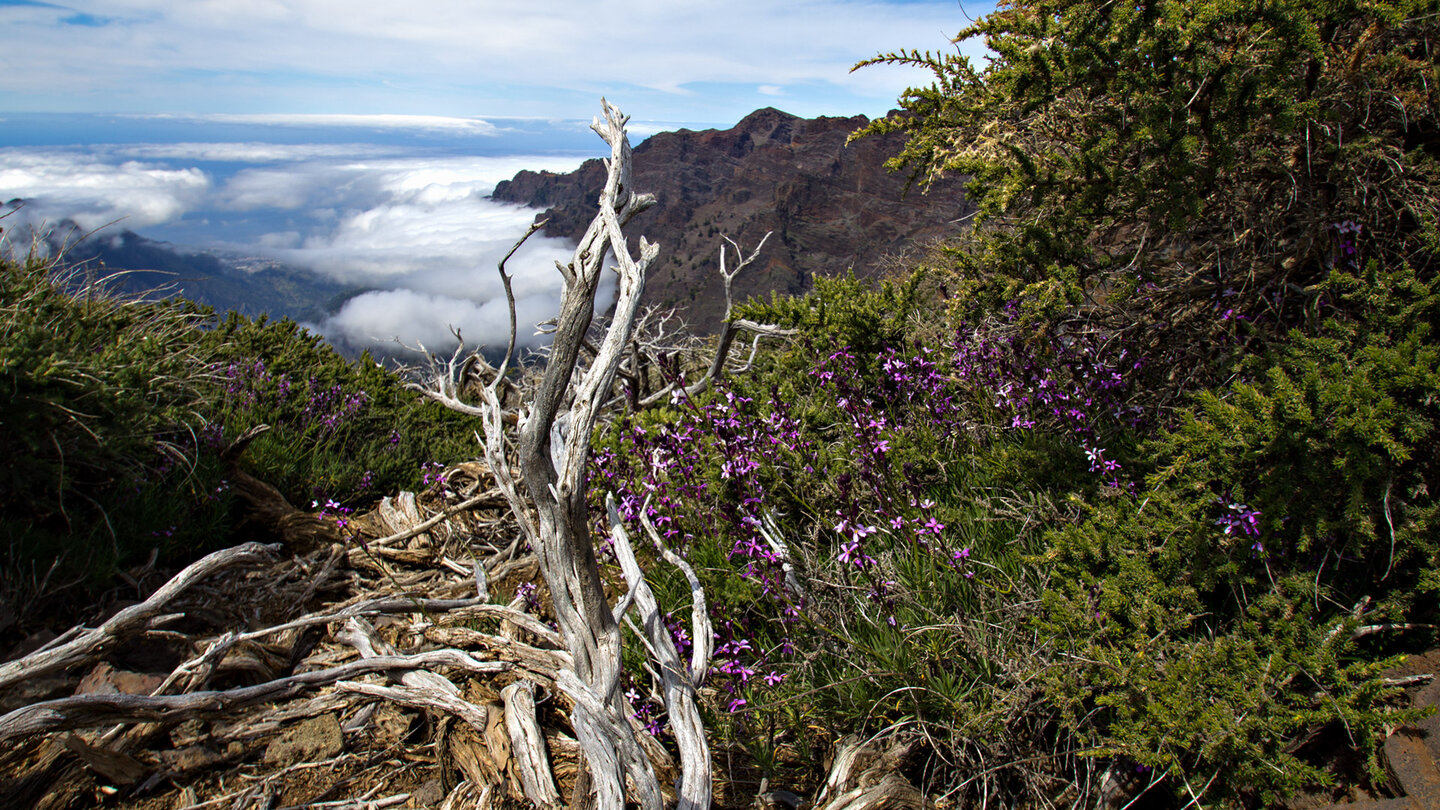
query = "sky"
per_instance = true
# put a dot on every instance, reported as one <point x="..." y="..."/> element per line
<point x="360" y="139"/>
<point x="708" y="61"/>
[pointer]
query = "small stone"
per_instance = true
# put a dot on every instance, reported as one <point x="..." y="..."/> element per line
<point x="316" y="739"/>
<point x="189" y="758"/>
<point x="429" y="794"/>
<point x="105" y="679"/>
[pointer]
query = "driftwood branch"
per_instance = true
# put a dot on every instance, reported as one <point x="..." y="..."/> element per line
<point x="84" y="711"/>
<point x="89" y="645"/>
<point x="678" y="684"/>
<point x="731" y="328"/>
<point x="419" y="688"/>
<point x="554" y="448"/>
<point x="548" y="496"/>
<point x="863" y="777"/>
<point x="527" y="745"/>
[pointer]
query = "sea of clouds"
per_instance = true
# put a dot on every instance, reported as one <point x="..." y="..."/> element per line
<point x="411" y="225"/>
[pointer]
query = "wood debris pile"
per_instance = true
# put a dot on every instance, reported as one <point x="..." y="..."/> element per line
<point x="394" y="663"/>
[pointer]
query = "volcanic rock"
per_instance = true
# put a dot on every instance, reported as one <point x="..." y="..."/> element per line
<point x="832" y="207"/>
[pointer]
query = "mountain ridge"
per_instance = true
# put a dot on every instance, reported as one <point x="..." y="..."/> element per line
<point x="831" y="206"/>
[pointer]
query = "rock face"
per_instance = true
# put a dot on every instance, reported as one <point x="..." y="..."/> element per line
<point x="832" y="207"/>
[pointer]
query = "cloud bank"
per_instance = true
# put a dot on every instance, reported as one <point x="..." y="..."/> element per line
<point x="93" y="192"/>
<point x="416" y="230"/>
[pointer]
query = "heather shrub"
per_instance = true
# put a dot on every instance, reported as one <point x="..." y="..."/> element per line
<point x="342" y="430"/>
<point x="862" y="520"/>
<point x="997" y="542"/>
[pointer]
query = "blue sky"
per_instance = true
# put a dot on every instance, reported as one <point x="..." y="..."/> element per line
<point x="702" y="61"/>
<point x="359" y="139"/>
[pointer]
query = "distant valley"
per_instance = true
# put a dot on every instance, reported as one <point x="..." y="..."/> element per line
<point x="249" y="285"/>
<point x="134" y="265"/>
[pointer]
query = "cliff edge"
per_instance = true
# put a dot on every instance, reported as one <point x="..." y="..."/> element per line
<point x="832" y="207"/>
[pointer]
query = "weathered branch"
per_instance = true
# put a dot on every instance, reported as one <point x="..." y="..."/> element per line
<point x="702" y="633"/>
<point x="91" y="644"/>
<point x="679" y="686"/>
<point x="553" y="449"/>
<point x="731" y="327"/>
<point x="420" y="687"/>
<point x="83" y="711"/>
<point x="527" y="745"/>
<point x="548" y="496"/>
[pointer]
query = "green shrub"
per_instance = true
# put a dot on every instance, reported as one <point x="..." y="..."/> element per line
<point x="345" y="430"/>
<point x="102" y="399"/>
<point x="1211" y="614"/>
<point x="116" y="408"/>
<point x="1182" y="172"/>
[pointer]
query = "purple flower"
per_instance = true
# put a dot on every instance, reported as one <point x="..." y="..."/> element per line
<point x="1239" y="518"/>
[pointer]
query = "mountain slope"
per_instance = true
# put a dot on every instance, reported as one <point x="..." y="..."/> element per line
<point x="136" y="265"/>
<point x="832" y="207"/>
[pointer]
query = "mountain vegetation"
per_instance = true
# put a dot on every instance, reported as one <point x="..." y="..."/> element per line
<point x="1126" y="495"/>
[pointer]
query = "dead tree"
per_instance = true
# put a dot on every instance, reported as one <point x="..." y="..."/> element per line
<point x="732" y="326"/>
<point x="549" y="495"/>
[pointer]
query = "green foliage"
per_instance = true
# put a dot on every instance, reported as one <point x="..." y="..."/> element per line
<point x="1206" y="646"/>
<point x="116" y="408"/>
<point x="1191" y="698"/>
<point x="342" y="430"/>
<point x="1185" y="172"/>
<point x="101" y="395"/>
<point x="846" y="312"/>
<point x="1332" y="440"/>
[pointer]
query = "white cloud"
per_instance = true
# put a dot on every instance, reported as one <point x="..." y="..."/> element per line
<point x="440" y="123"/>
<point x="279" y="240"/>
<point x="63" y="185"/>
<point x="379" y="319"/>
<point x="326" y="184"/>
<point x="456" y="57"/>
<point x="770" y="90"/>
<point x="420" y="229"/>
<point x="245" y="152"/>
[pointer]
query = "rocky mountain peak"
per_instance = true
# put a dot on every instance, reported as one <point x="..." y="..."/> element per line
<point x="832" y="207"/>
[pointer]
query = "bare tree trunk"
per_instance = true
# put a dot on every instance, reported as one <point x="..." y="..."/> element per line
<point x="553" y="450"/>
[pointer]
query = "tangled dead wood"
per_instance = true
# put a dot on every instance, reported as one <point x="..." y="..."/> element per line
<point x="376" y="653"/>
<point x="549" y="499"/>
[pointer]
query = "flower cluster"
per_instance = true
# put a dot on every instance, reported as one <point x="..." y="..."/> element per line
<point x="1239" y="520"/>
<point x="527" y="593"/>
<point x="646" y="711"/>
<point x="325" y="409"/>
<point x="857" y="463"/>
<point x="1078" y="384"/>
<point x="333" y="510"/>
<point x="1347" y="235"/>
